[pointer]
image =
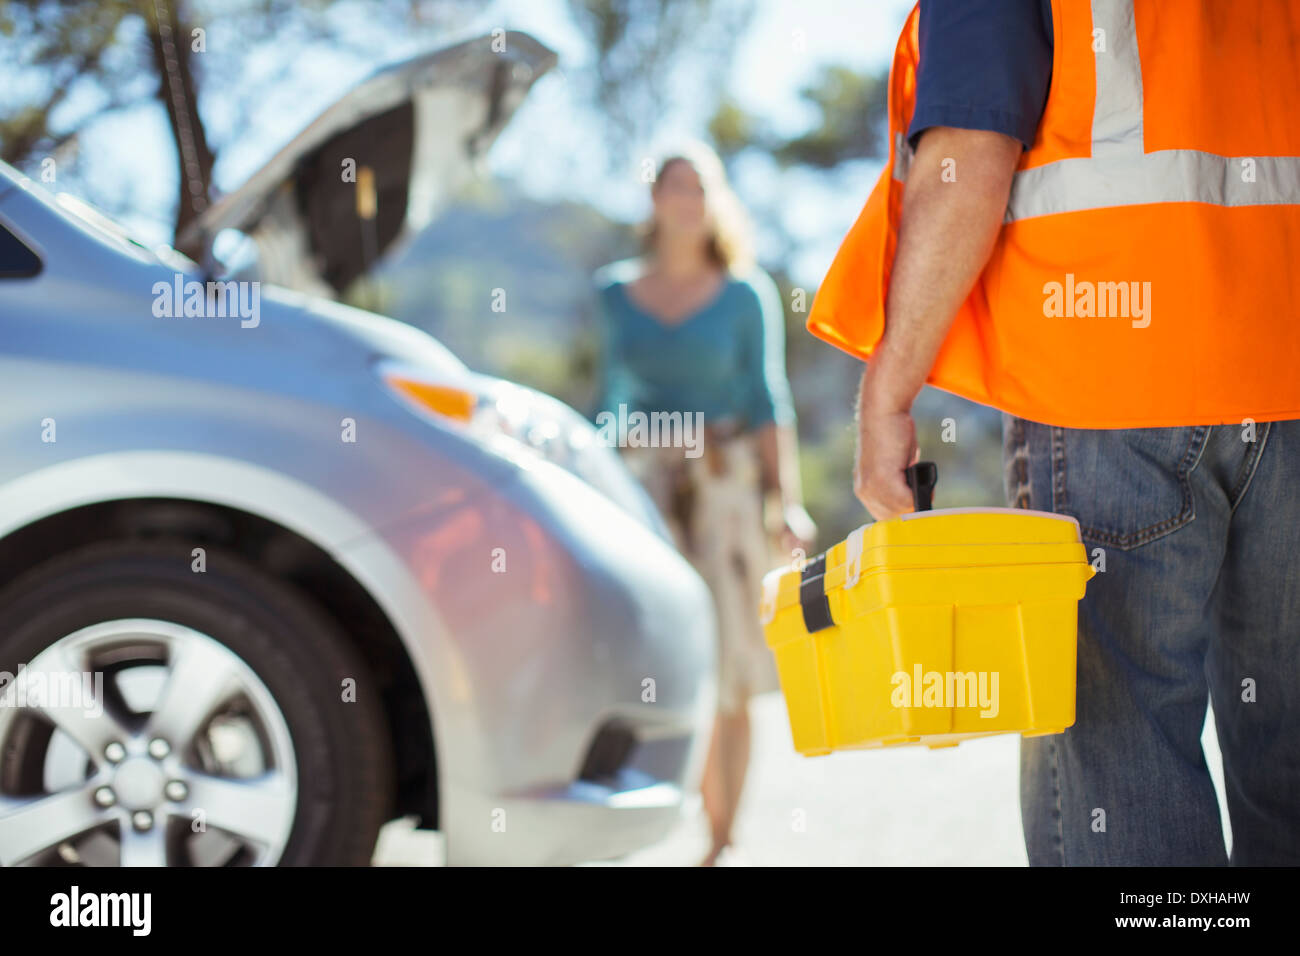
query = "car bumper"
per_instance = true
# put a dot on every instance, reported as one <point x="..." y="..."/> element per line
<point x="569" y="658"/>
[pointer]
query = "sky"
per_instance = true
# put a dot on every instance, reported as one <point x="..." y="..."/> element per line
<point x="542" y="150"/>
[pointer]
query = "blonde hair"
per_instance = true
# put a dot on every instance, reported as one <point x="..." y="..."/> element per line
<point x="730" y="245"/>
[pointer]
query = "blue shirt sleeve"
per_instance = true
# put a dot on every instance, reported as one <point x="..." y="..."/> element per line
<point x="985" y="64"/>
<point x="763" y="350"/>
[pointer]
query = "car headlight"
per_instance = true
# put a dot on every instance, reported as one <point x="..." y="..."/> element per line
<point x="493" y="410"/>
<point x="447" y="401"/>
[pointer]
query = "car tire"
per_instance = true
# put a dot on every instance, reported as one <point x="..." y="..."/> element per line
<point x="340" y="763"/>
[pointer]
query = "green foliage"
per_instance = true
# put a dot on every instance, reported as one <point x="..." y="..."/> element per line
<point x="732" y="128"/>
<point x="852" y="108"/>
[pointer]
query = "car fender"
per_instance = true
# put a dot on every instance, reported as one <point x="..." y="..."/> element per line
<point x="259" y="491"/>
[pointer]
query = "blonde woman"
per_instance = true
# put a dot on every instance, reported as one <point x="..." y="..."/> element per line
<point x="693" y="326"/>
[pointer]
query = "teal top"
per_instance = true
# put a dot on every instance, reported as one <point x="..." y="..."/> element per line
<point x="727" y="360"/>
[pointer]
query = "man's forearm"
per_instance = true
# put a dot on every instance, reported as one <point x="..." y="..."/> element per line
<point x="946" y="234"/>
<point x="948" y="228"/>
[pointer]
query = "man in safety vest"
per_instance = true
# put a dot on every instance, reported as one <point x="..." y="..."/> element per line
<point x="1090" y="219"/>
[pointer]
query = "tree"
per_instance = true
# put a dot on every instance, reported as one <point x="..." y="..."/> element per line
<point x="56" y="49"/>
<point x="76" y="61"/>
<point x="645" y="50"/>
<point x="850" y="106"/>
<point x="173" y="47"/>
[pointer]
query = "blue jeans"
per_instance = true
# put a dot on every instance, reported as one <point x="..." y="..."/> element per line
<point x="1199" y="530"/>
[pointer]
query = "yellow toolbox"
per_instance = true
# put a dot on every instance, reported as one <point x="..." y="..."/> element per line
<point x="931" y="628"/>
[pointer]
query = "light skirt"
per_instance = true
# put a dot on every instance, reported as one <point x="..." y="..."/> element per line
<point x="713" y="506"/>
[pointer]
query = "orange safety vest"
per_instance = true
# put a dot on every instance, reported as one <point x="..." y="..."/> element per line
<point x="1148" y="270"/>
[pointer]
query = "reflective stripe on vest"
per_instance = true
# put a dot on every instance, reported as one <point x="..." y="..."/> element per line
<point x="1119" y="172"/>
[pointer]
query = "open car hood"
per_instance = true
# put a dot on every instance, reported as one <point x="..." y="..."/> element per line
<point x="413" y="133"/>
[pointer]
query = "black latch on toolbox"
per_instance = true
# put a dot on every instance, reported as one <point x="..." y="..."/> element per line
<point x="812" y="596"/>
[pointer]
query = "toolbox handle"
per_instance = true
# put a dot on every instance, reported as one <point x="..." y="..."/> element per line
<point x="921" y="478"/>
<point x="813" y="600"/>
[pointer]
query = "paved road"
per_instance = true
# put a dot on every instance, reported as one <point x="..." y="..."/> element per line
<point x="906" y="806"/>
<point x="901" y="806"/>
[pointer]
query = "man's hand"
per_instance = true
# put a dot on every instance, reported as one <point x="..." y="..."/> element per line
<point x="886" y="446"/>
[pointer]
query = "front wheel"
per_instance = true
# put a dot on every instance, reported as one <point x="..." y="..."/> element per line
<point x="157" y="715"/>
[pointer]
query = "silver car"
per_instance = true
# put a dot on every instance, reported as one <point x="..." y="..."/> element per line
<point x="274" y="570"/>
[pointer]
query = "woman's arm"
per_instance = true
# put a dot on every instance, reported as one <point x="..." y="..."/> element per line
<point x="783" y="494"/>
<point x="773" y="411"/>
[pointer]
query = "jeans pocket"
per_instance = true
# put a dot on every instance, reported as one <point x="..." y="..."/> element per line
<point x="1127" y="486"/>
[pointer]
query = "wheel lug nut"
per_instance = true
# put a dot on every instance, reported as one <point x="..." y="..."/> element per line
<point x="142" y="820"/>
<point x="176" y="791"/>
<point x="105" y="796"/>
<point x="158" y="748"/>
<point x="115" y="752"/>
